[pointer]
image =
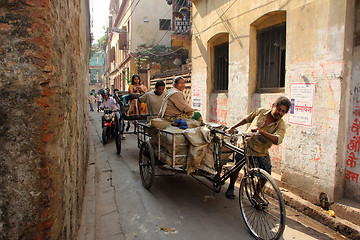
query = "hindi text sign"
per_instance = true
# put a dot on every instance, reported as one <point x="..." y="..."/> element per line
<point x="302" y="103"/>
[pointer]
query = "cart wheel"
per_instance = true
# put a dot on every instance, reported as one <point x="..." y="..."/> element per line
<point x="216" y="184"/>
<point x="147" y="164"/>
<point x="104" y="135"/>
<point x="118" y="142"/>
<point x="118" y="137"/>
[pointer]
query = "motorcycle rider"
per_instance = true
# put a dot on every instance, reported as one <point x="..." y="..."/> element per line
<point x="110" y="103"/>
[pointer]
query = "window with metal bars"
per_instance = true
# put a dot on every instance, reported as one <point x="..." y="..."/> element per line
<point x="221" y="66"/>
<point x="271" y="58"/>
<point x="165" y="24"/>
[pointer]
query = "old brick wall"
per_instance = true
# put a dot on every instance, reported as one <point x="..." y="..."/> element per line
<point x="44" y="49"/>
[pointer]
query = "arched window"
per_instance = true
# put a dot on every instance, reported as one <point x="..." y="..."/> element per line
<point x="270" y="31"/>
<point x="219" y="46"/>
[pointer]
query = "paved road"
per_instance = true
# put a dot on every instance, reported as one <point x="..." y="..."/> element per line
<point x="176" y="206"/>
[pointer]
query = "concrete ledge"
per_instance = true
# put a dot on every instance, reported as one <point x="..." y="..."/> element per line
<point x="347" y="209"/>
<point x="342" y="226"/>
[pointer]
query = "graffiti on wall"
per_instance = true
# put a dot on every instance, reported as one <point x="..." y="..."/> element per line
<point x="353" y="146"/>
<point x="196" y="98"/>
<point x="276" y="155"/>
<point x="218" y="108"/>
<point x="353" y="150"/>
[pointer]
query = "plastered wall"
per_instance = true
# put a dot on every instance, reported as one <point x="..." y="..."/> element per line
<point x="311" y="158"/>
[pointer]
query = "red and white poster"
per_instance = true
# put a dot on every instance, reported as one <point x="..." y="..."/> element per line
<point x="302" y="103"/>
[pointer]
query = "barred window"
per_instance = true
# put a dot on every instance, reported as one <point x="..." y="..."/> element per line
<point x="271" y="58"/>
<point x="221" y="66"/>
<point x="165" y="24"/>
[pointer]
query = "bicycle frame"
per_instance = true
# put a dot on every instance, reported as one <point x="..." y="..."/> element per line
<point x="245" y="161"/>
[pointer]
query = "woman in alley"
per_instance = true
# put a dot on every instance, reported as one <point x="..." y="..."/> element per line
<point x="136" y="90"/>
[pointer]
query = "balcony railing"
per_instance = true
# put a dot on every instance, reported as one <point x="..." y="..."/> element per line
<point x="182" y="26"/>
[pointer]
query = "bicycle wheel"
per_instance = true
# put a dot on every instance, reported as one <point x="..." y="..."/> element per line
<point x="122" y="126"/>
<point x="117" y="136"/>
<point x="147" y="164"/>
<point x="104" y="135"/>
<point x="264" y="212"/>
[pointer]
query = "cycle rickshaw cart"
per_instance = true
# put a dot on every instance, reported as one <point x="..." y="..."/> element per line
<point x="263" y="210"/>
<point x="123" y="99"/>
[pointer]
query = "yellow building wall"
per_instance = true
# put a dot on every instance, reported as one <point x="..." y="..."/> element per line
<point x="310" y="160"/>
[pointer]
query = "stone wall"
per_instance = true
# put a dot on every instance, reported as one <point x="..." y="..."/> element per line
<point x="43" y="117"/>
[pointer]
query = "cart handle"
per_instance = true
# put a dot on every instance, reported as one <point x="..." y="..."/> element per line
<point x="243" y="134"/>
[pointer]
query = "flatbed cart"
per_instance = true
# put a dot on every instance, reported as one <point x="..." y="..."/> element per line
<point x="262" y="208"/>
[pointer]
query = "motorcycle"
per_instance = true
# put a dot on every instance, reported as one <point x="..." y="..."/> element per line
<point x="110" y="128"/>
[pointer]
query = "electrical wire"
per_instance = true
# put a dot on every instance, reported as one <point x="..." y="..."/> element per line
<point x="157" y="44"/>
<point x="201" y="32"/>
<point x="132" y="11"/>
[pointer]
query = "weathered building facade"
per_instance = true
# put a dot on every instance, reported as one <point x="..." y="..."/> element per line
<point x="97" y="70"/>
<point x="131" y="25"/>
<point x="247" y="53"/>
<point x="44" y="79"/>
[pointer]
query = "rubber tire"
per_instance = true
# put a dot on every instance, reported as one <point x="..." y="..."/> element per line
<point x="147" y="164"/>
<point x="118" y="138"/>
<point x="104" y="135"/>
<point x="244" y="196"/>
<point x="118" y="143"/>
<point x="122" y="126"/>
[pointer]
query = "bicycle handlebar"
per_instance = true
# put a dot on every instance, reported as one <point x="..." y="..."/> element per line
<point x="244" y="134"/>
<point x="109" y="109"/>
<point x="223" y="133"/>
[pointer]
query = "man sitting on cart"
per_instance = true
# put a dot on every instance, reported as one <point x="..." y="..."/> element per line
<point x="271" y="128"/>
<point x="154" y="98"/>
<point x="174" y="106"/>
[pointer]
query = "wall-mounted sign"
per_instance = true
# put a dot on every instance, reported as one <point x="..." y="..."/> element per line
<point x="196" y="103"/>
<point x="302" y="103"/>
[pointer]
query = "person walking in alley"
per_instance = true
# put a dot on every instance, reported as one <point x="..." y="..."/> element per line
<point x="271" y="128"/>
<point x="91" y="102"/>
<point x="154" y="98"/>
<point x="98" y="100"/>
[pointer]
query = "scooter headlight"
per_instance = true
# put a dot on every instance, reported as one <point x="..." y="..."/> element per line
<point x="107" y="117"/>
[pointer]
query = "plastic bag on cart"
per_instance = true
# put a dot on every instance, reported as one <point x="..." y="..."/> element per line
<point x="208" y="160"/>
<point x="198" y="136"/>
<point x="199" y="139"/>
<point x="160" y="123"/>
<point x="207" y="163"/>
<point x="195" y="157"/>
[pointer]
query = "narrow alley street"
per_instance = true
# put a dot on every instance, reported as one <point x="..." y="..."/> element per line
<point x="117" y="206"/>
